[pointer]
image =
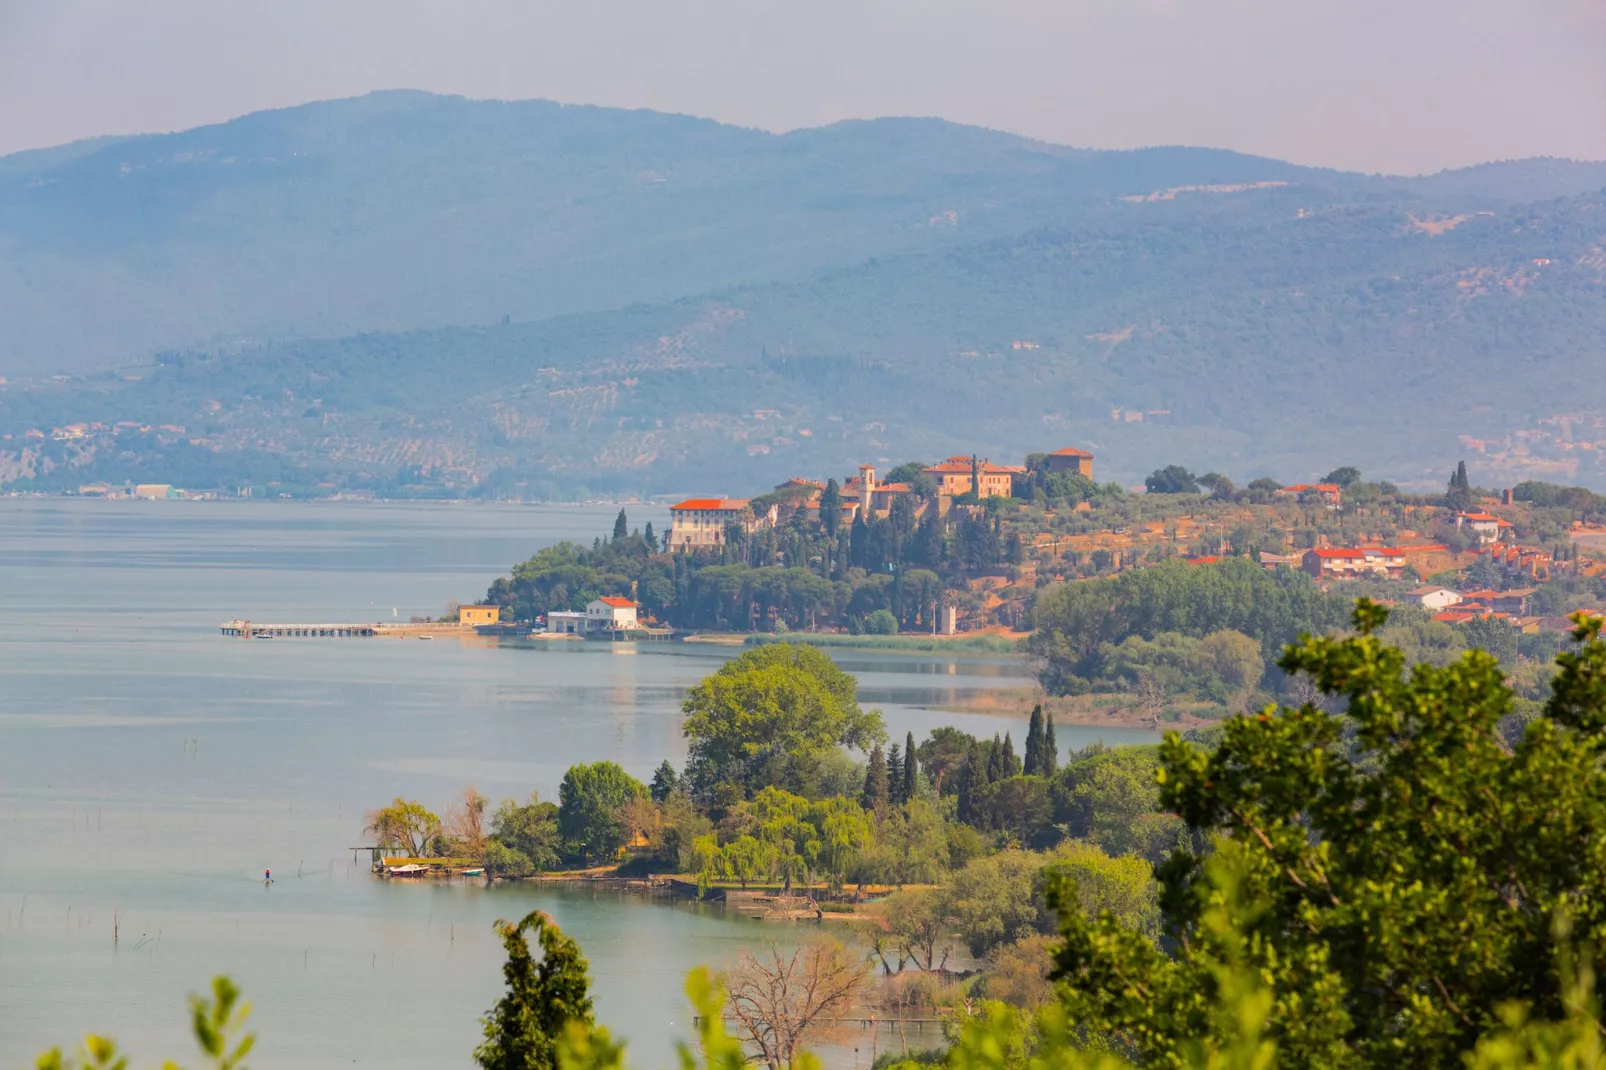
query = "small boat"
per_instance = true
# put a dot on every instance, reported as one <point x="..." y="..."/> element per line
<point x="261" y="635"/>
<point x="411" y="869"/>
<point x="478" y="872"/>
<point x="426" y="637"/>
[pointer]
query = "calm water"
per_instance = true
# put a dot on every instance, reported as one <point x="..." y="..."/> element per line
<point x="151" y="768"/>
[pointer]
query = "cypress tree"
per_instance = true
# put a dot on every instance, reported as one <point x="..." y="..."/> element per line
<point x="895" y="776"/>
<point x="650" y="539"/>
<point x="665" y="781"/>
<point x="875" y="781"/>
<point x="1050" y="755"/>
<point x="1011" y="763"/>
<point x="1034" y="742"/>
<point x="972" y="779"/>
<point x="995" y="760"/>
<point x="523" y="1029"/>
<point x="831" y="507"/>
<point x="911" y="768"/>
<point x="621" y="527"/>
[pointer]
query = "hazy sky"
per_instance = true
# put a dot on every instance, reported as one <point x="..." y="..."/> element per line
<point x="1396" y="85"/>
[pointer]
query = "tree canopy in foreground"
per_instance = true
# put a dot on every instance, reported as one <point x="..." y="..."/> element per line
<point x="1406" y="876"/>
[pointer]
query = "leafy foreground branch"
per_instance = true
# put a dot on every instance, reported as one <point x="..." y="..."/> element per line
<point x="1399" y="885"/>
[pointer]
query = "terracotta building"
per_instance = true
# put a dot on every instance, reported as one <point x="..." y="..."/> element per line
<point x="1070" y="459"/>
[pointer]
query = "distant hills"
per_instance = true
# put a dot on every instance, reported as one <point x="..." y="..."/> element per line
<point x="690" y="305"/>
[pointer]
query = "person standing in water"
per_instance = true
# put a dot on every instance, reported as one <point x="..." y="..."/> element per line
<point x="267" y="876"/>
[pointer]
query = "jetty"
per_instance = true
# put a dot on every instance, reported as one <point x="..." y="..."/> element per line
<point x="248" y="629"/>
<point x="244" y="629"/>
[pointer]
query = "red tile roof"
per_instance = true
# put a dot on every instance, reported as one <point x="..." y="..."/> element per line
<point x="1071" y="451"/>
<point x="721" y="504"/>
<point x="1336" y="553"/>
<point x="617" y="602"/>
<point x="1485" y="518"/>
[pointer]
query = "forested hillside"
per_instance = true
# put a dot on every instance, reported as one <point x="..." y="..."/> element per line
<point x="405" y="210"/>
<point x="1264" y="330"/>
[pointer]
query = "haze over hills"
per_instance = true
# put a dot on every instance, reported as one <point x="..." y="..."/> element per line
<point x="694" y="304"/>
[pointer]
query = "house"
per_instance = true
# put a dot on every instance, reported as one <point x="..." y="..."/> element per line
<point x="565" y="622"/>
<point x="1486" y="527"/>
<point x="1434" y="598"/>
<point x="155" y="491"/>
<point x="476" y="616"/>
<point x="957" y="474"/>
<point x="1517" y="563"/>
<point x="1069" y="459"/>
<point x="1514" y="602"/>
<point x="701" y="522"/>
<point x="610" y="613"/>
<point x="1327" y="562"/>
<point x="1329" y="494"/>
<point x="1456" y="616"/>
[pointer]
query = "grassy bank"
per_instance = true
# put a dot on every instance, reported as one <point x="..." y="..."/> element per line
<point x="959" y="644"/>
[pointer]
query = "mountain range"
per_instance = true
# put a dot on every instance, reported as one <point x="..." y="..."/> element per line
<point x="412" y="291"/>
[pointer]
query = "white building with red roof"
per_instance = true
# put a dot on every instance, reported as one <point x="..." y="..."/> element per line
<point x="610" y="613"/>
<point x="697" y="523"/>
<point x="1331" y="562"/>
<point x="1487" y="527"/>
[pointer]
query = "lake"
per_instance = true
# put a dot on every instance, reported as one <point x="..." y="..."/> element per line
<point x="151" y="769"/>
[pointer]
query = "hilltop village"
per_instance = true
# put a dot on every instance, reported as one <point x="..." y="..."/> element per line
<point x="972" y="548"/>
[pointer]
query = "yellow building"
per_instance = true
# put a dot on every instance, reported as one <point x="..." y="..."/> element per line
<point x="474" y="616"/>
<point x="956" y="474"/>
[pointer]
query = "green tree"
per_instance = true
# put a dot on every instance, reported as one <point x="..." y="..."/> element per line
<point x="910" y="772"/>
<point x="589" y="803"/>
<point x="997" y="899"/>
<point x="1111" y="798"/>
<point x="1346" y="476"/>
<point x="1121" y="887"/>
<point x="831" y="508"/>
<point x="649" y="538"/>
<point x="1172" y="479"/>
<point x="1078" y="623"/>
<point x="543" y="1000"/>
<point x="528" y="836"/>
<point x="1402" y="866"/>
<point x="772" y="716"/>
<point x="404" y="825"/>
<point x="665" y="782"/>
<point x="1458" y="495"/>
<point x="621" y="527"/>
<point x="919" y="925"/>
<point x="881" y="622"/>
<point x="943" y="755"/>
<point x="895" y="792"/>
<point x="877" y="794"/>
<point x="1049" y="757"/>
<point x="913" y="845"/>
<point x="1018" y="806"/>
<point x="1233" y="657"/>
<point x="1034" y="743"/>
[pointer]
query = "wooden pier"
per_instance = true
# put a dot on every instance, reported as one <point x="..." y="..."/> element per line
<point x="244" y="629"/>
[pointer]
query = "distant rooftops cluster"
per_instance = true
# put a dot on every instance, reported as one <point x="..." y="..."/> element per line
<point x="698" y="523"/>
